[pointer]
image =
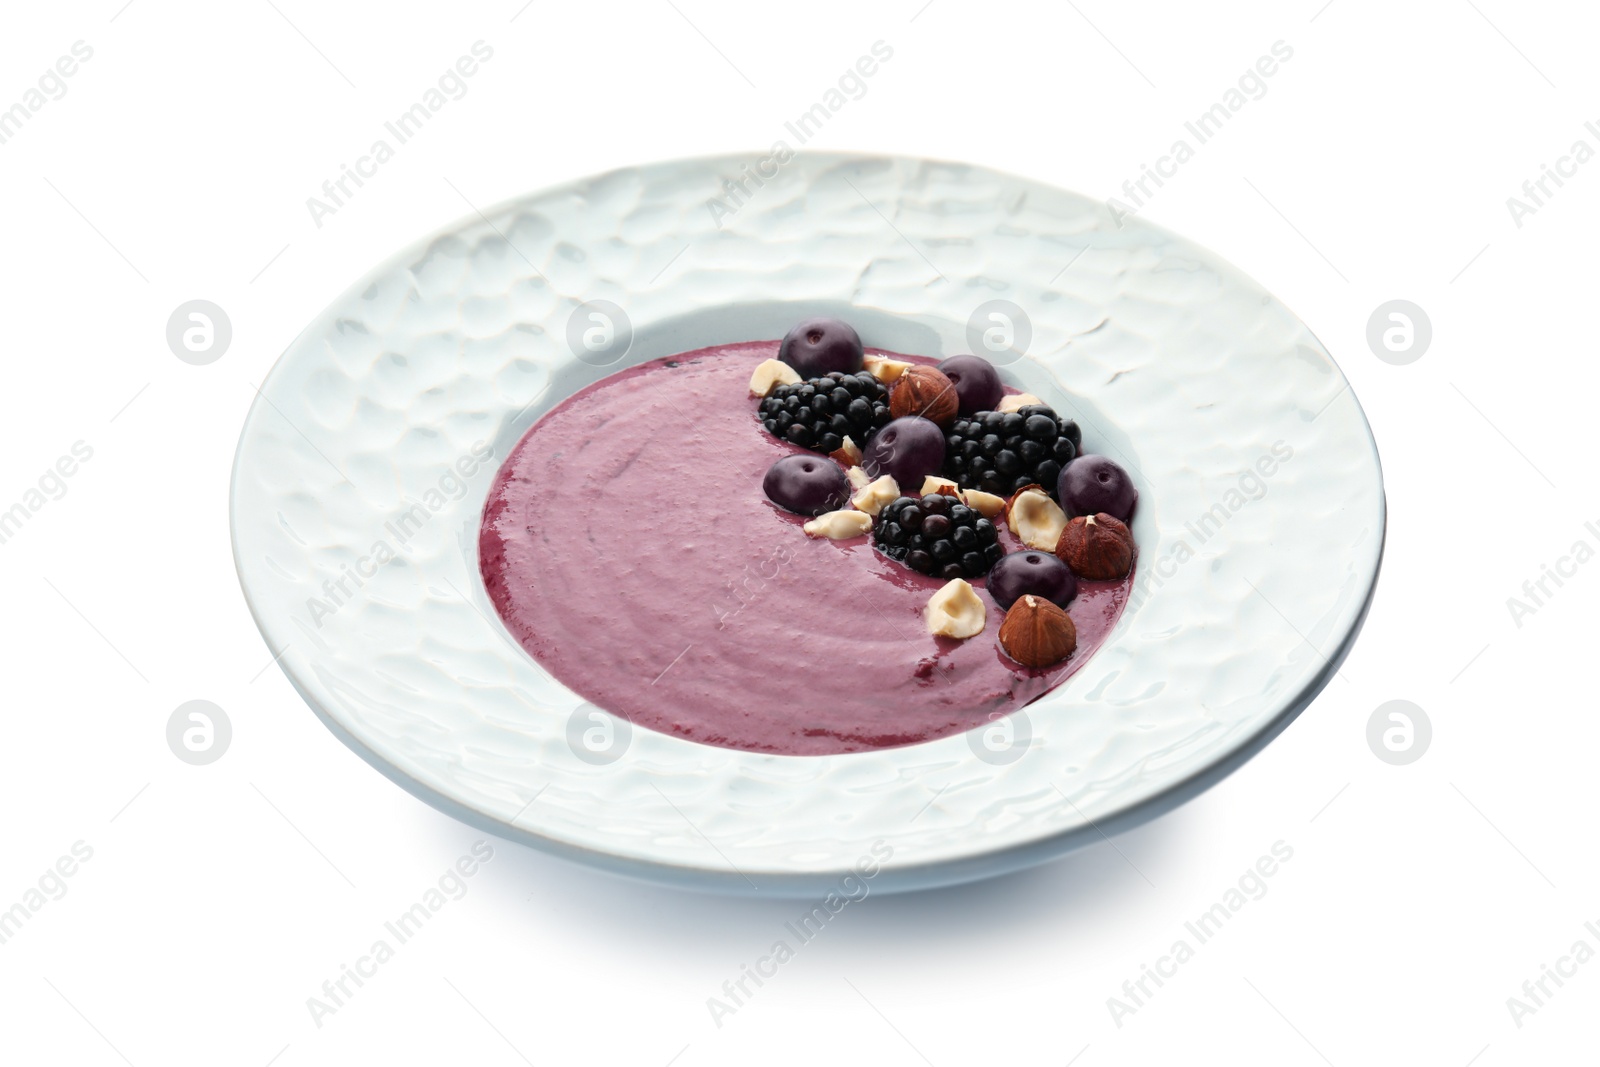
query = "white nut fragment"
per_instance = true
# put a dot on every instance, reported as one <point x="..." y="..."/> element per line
<point x="872" y="497"/>
<point x="859" y="479"/>
<point x="839" y="525"/>
<point x="1016" y="402"/>
<point x="1036" y="519"/>
<point x="769" y="375"/>
<point x="884" y="369"/>
<point x="955" y="611"/>
<point x="934" y="484"/>
<point x="847" y="455"/>
<point x="986" y="504"/>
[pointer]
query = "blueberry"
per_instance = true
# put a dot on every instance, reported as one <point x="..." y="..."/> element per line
<point x="806" y="484"/>
<point x="1090" y="485"/>
<point x="936" y="526"/>
<point x="977" y="382"/>
<point x="1036" y="573"/>
<point x="908" y="449"/>
<point x="821" y="346"/>
<point x="919" y="560"/>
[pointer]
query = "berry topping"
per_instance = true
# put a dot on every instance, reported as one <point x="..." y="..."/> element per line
<point x="1000" y="452"/>
<point x="937" y="535"/>
<point x="977" y="383"/>
<point x="1093" y="484"/>
<point x="907" y="449"/>
<point x="821" y="412"/>
<point x="1031" y="573"/>
<point x="806" y="485"/>
<point x="821" y="346"/>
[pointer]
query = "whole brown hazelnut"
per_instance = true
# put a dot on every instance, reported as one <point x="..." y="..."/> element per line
<point x="1037" y="633"/>
<point x="1097" y="547"/>
<point x="924" y="391"/>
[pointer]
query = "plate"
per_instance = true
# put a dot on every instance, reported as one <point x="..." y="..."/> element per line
<point x="364" y="464"/>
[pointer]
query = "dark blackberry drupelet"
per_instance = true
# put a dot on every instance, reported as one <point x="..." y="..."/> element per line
<point x="1000" y="453"/>
<point x="821" y="412"/>
<point x="938" y="536"/>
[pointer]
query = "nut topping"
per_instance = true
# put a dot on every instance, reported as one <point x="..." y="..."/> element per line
<point x="769" y="375"/>
<point x="1097" y="547"/>
<point x="839" y="525"/>
<point x="1035" y="518"/>
<point x="956" y="611"/>
<point x="1016" y="402"/>
<point x="927" y="392"/>
<point x="1036" y="633"/>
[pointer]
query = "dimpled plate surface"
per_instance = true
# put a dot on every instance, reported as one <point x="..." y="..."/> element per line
<point x="1260" y="523"/>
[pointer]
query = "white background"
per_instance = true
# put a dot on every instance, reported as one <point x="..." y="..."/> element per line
<point x="219" y="898"/>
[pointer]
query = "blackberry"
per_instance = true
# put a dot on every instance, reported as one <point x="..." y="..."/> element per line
<point x="1000" y="452"/>
<point x="938" y="536"/>
<point x="820" y="413"/>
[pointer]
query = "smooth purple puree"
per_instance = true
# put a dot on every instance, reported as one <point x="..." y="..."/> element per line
<point x="628" y="546"/>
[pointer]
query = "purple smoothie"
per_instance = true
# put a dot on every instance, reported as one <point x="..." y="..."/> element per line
<point x="629" y="548"/>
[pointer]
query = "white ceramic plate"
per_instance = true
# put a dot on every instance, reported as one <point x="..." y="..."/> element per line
<point x="1260" y="522"/>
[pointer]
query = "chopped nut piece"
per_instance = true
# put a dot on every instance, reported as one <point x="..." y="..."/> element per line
<point x="839" y="525"/>
<point x="769" y="375"/>
<point x="956" y="611"/>
<point x="1017" y="401"/>
<point x="1035" y="518"/>
<point x="846" y="455"/>
<point x="859" y="478"/>
<point x="935" y="484"/>
<point x="872" y="497"/>
<point x="986" y="504"/>
<point x="884" y="369"/>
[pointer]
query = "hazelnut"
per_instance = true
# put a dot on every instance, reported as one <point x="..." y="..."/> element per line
<point x="839" y="525"/>
<point x="1036" y="633"/>
<point x="859" y="479"/>
<point x="927" y="392"/>
<point x="955" y="611"/>
<point x="885" y="369"/>
<point x="1016" y="402"/>
<point x="1035" y="518"/>
<point x="935" y="484"/>
<point x="871" y="497"/>
<point x="770" y="374"/>
<point x="1097" y="547"/>
<point x="847" y="455"/>
<point x="986" y="504"/>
